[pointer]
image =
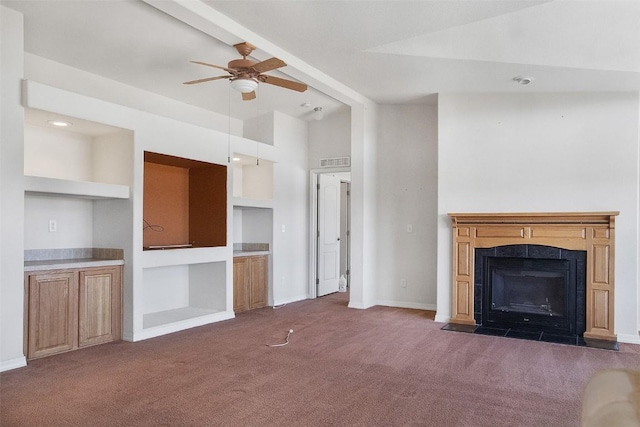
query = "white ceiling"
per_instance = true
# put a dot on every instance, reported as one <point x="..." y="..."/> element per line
<point x="389" y="51"/>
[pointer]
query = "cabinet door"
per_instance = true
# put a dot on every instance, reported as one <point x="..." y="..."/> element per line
<point x="53" y="321"/>
<point x="99" y="305"/>
<point x="241" y="276"/>
<point x="258" y="266"/>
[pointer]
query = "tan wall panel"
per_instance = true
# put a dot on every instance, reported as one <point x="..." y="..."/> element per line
<point x="555" y="232"/>
<point x="500" y="232"/>
<point x="464" y="260"/>
<point x="601" y="233"/>
<point x="463" y="302"/>
<point x="601" y="264"/>
<point x="600" y="309"/>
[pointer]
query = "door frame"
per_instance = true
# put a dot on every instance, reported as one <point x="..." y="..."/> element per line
<point x="313" y="225"/>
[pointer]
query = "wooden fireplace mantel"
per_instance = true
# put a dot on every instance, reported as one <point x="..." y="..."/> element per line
<point x="592" y="232"/>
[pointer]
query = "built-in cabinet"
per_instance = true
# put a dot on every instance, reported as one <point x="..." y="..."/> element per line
<point x="250" y="282"/>
<point x="72" y="308"/>
<point x="110" y="186"/>
<point x="252" y="226"/>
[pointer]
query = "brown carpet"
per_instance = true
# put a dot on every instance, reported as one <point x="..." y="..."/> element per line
<point x="377" y="367"/>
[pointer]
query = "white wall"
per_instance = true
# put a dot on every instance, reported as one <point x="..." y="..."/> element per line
<point x="330" y="137"/>
<point x="407" y="197"/>
<point x="257" y="180"/>
<point x="543" y="153"/>
<point x="112" y="158"/>
<point x="237" y="225"/>
<point x="57" y="153"/>
<point x="291" y="201"/>
<point x="11" y="190"/>
<point x="259" y="128"/>
<point x="257" y="226"/>
<point x="74" y="219"/>
<point x="364" y="226"/>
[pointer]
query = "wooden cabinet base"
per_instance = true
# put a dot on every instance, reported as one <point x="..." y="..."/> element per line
<point x="249" y="282"/>
<point x="70" y="309"/>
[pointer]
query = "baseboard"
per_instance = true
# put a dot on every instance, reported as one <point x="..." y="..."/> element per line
<point x="19" y="362"/>
<point x="629" y="338"/>
<point x="358" y="305"/>
<point x="405" y="304"/>
<point x="291" y="300"/>
<point x="441" y="318"/>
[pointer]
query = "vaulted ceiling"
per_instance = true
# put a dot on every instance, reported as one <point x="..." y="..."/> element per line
<point x="389" y="51"/>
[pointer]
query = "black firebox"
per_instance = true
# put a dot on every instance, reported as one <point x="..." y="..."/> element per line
<point x="531" y="289"/>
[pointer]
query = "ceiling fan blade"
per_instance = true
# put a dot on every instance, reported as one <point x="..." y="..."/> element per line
<point x="229" y="70"/>
<point x="249" y="96"/>
<point x="268" y="65"/>
<point x="287" y="84"/>
<point x="208" y="79"/>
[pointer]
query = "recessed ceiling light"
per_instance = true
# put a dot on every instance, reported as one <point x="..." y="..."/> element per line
<point x="236" y="159"/>
<point x="59" y="123"/>
<point x="523" y="80"/>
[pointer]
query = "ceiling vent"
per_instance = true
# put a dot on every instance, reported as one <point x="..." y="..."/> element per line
<point x="335" y="162"/>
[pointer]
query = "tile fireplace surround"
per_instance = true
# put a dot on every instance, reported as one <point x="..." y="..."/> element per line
<point x="592" y="232"/>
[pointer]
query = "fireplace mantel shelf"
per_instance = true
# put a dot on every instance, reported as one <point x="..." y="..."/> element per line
<point x="536" y="218"/>
<point x="592" y="232"/>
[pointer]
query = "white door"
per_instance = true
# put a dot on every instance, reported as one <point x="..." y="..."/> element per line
<point x="328" y="234"/>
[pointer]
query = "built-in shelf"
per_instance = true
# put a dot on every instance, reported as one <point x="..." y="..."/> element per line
<point x="243" y="202"/>
<point x="169" y="321"/>
<point x="68" y="188"/>
<point x="185" y="202"/>
<point x="182" y="296"/>
<point x="185" y="256"/>
<point x="162" y="318"/>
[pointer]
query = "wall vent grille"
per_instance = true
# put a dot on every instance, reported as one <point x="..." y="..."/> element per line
<point x="335" y="162"/>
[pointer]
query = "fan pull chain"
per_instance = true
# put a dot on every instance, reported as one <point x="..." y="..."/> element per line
<point x="258" y="126"/>
<point x="229" y="125"/>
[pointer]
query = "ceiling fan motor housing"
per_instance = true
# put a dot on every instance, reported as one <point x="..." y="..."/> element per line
<point x="239" y="64"/>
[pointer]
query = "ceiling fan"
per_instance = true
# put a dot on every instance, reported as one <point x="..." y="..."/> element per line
<point x="245" y="74"/>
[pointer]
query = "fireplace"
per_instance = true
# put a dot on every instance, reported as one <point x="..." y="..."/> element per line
<point x="531" y="288"/>
<point x="505" y="266"/>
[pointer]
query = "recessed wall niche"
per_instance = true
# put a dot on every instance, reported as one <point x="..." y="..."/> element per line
<point x="184" y="203"/>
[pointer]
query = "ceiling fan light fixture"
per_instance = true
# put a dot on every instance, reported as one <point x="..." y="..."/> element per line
<point x="244" y="85"/>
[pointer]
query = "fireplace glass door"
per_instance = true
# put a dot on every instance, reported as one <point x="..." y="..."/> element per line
<point x="528" y="292"/>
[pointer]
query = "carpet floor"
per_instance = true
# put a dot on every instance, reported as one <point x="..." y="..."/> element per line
<point x="377" y="367"/>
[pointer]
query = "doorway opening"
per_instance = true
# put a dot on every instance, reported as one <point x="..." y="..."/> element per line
<point x="330" y="225"/>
